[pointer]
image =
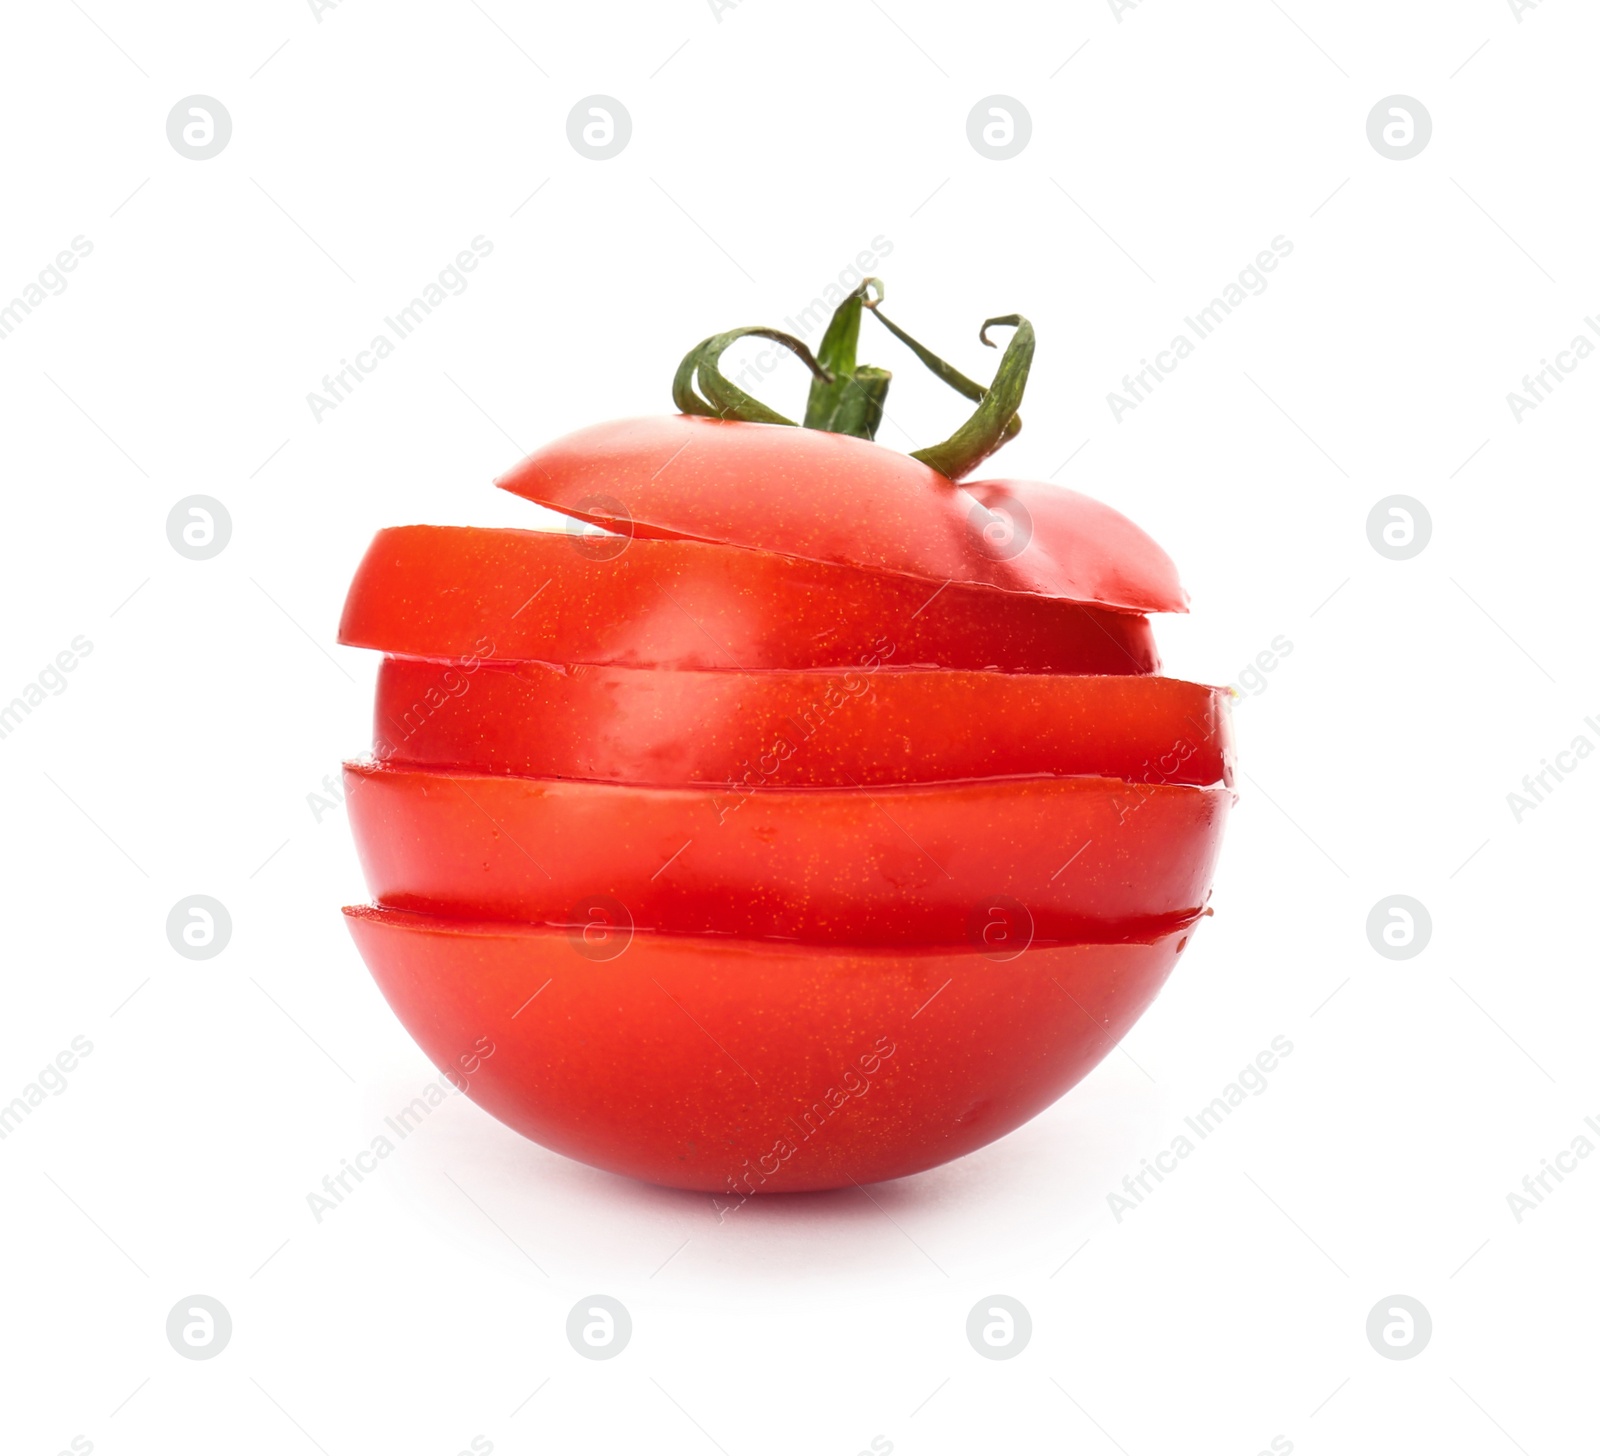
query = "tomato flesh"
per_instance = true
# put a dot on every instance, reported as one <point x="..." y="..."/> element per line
<point x="1051" y="859"/>
<point x="740" y="1067"/>
<point x="834" y="498"/>
<point x="729" y="729"/>
<point x="463" y="592"/>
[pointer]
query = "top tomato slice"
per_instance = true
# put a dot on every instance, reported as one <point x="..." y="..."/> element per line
<point x="464" y="592"/>
<point x="837" y="499"/>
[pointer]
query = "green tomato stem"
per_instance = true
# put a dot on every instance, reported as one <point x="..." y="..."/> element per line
<point x="847" y="398"/>
<point x="724" y="400"/>
<point x="995" y="420"/>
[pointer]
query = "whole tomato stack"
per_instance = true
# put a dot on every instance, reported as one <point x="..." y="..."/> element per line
<point x="816" y="822"/>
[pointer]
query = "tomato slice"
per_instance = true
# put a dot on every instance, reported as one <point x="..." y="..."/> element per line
<point x="1088" y="541"/>
<point x="834" y="498"/>
<point x="462" y="592"/>
<point x="751" y="730"/>
<point x="742" y="1066"/>
<point x="1057" y="859"/>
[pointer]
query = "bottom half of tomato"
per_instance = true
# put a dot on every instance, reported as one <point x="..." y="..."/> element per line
<point x="741" y="1067"/>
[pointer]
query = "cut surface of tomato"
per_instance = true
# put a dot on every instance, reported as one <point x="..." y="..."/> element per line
<point x="867" y="727"/>
<point x="1024" y="859"/>
<point x="748" y="1067"/>
<point x="458" y="592"/>
<point x="833" y="498"/>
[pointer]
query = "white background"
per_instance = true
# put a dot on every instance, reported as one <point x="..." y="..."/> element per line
<point x="1169" y="146"/>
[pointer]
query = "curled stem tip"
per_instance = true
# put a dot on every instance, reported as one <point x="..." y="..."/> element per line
<point x="996" y="419"/>
<point x="723" y="399"/>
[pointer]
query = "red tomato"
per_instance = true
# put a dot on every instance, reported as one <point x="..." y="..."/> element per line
<point x="820" y="825"/>
<point x="834" y="498"/>
<point x="738" y="1067"/>
<point x="1075" y="859"/>
<point x="637" y="725"/>
<point x="462" y="592"/>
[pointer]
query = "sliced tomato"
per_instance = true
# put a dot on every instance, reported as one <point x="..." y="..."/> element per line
<point x="463" y="592"/>
<point x="1088" y="542"/>
<point x="789" y="729"/>
<point x="833" y="498"/>
<point x="741" y="1067"/>
<point x="1056" y="859"/>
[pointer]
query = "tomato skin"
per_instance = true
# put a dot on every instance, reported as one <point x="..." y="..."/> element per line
<point x="460" y="591"/>
<point x="1090" y="859"/>
<point x="1088" y="541"/>
<point x="834" y="498"/>
<point x="741" y="1067"/>
<point x="727" y="729"/>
